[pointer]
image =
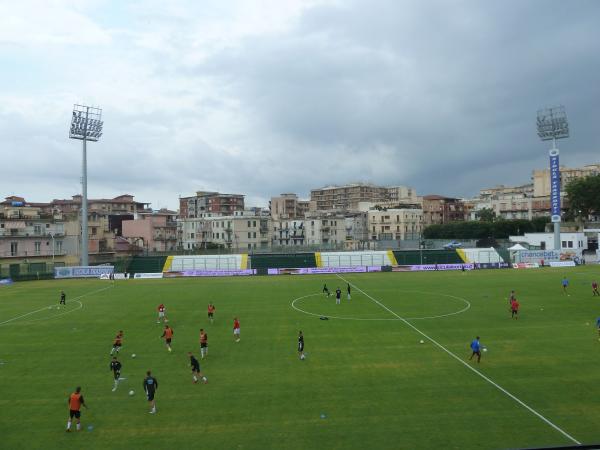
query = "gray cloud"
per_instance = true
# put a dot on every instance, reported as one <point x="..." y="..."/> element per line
<point x="435" y="95"/>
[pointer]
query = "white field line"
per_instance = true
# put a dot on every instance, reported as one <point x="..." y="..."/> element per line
<point x="46" y="307"/>
<point x="441" y="316"/>
<point x="440" y="346"/>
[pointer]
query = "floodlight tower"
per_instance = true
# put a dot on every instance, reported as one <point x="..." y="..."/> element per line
<point x="86" y="125"/>
<point x="552" y="124"/>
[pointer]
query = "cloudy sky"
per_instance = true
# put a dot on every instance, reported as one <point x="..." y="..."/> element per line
<point x="263" y="97"/>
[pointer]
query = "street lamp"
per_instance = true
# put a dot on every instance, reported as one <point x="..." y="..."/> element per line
<point x="86" y="125"/>
<point x="552" y="124"/>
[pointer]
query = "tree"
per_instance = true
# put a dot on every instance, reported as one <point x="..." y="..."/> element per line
<point x="486" y="215"/>
<point x="584" y="196"/>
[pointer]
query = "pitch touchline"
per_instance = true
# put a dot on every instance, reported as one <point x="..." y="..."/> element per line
<point x="406" y="322"/>
<point x="46" y="307"/>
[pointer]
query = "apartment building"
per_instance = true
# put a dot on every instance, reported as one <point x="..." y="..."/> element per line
<point x="348" y="197"/>
<point x="288" y="206"/>
<point x="152" y="230"/>
<point x="244" y="231"/>
<point x="541" y="178"/>
<point x="395" y="224"/>
<point x="327" y="229"/>
<point x="215" y="203"/>
<point x="28" y="233"/>
<point x="438" y="209"/>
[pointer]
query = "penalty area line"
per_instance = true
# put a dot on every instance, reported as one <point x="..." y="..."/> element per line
<point x="46" y="307"/>
<point x="477" y="372"/>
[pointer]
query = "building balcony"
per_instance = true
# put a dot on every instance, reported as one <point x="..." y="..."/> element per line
<point x="4" y="233"/>
<point x="32" y="254"/>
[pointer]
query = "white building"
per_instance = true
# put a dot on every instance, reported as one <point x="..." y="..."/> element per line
<point x="576" y="242"/>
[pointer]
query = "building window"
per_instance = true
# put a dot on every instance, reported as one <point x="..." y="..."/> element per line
<point x="58" y="246"/>
<point x="249" y="224"/>
<point x="254" y="223"/>
<point x="564" y="244"/>
<point x="249" y="246"/>
<point x="254" y="234"/>
<point x="37" y="229"/>
<point x="94" y="231"/>
<point x="37" y="247"/>
<point x="14" y="248"/>
<point x="570" y="244"/>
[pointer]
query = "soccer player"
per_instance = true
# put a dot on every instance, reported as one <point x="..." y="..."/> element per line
<point x="326" y="290"/>
<point x="348" y="289"/>
<point x="236" y="329"/>
<point x="168" y="335"/>
<point x="514" y="308"/>
<point x="476" y="349"/>
<point x="565" y="284"/>
<point x="75" y="401"/>
<point x="63" y="298"/>
<point x="117" y="344"/>
<point x="196" y="372"/>
<point x="203" y="343"/>
<point x="211" y="312"/>
<point x="300" y="345"/>
<point x="338" y="296"/>
<point x="595" y="288"/>
<point x="115" y="366"/>
<point x="512" y="296"/>
<point x="150" y="387"/>
<point x="161" y="314"/>
<point x="598" y="325"/>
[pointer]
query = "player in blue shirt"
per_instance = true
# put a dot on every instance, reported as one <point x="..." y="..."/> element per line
<point x="565" y="284"/>
<point x="598" y="325"/>
<point x="476" y="349"/>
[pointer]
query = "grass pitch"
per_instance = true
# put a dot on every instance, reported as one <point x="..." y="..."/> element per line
<point x="367" y="380"/>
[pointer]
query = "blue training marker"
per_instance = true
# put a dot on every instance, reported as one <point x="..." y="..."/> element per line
<point x="90" y="427"/>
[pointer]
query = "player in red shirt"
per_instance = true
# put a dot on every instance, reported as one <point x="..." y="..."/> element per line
<point x="211" y="312"/>
<point x="203" y="343"/>
<point x="161" y="314"/>
<point x="595" y="288"/>
<point x="118" y="342"/>
<point x="514" y="308"/>
<point x="236" y="329"/>
<point x="168" y="335"/>
<point x="75" y="402"/>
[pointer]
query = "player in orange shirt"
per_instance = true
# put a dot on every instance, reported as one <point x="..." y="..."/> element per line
<point x="75" y="401"/>
<point x="211" y="312"/>
<point x="168" y="335"/>
<point x="203" y="343"/>
<point x="514" y="308"/>
<point x="118" y="342"/>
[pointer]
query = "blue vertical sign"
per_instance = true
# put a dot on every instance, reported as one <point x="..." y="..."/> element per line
<point x="554" y="186"/>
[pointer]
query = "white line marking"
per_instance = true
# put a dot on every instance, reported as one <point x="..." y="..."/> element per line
<point x="46" y="307"/>
<point x="373" y="319"/>
<point x="58" y="315"/>
<point x="500" y="388"/>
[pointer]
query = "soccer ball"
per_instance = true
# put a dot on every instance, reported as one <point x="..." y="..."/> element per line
<point x="422" y="341"/>
<point x="484" y="349"/>
<point x="133" y="355"/>
<point x="131" y="392"/>
<point x="302" y="357"/>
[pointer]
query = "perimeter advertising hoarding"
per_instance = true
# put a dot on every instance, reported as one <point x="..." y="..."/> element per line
<point x="6" y="282"/>
<point x="211" y="273"/>
<point x="321" y="270"/>
<point x="554" y="186"/>
<point x="82" y="271"/>
<point x="421" y="267"/>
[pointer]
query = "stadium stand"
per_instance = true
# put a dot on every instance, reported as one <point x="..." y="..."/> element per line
<point x="282" y="261"/>
<point x="205" y="262"/>
<point x="354" y="259"/>
<point x="413" y="257"/>
<point x="146" y="264"/>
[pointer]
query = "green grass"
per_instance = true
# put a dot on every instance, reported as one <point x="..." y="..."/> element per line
<point x="376" y="384"/>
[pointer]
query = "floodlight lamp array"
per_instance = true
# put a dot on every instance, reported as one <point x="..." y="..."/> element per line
<point x="86" y="123"/>
<point x="552" y="123"/>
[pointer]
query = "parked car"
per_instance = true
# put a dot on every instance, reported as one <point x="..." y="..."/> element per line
<point x="452" y="245"/>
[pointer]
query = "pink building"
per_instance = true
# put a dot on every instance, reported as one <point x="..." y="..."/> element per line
<point x="152" y="231"/>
